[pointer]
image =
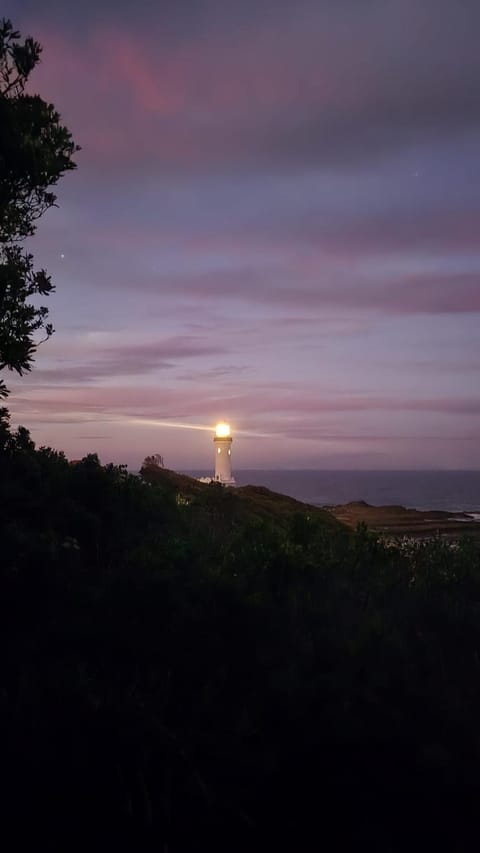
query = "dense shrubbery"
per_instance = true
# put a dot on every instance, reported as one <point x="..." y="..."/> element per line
<point x="203" y="675"/>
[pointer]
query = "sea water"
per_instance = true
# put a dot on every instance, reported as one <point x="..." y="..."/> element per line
<point x="453" y="491"/>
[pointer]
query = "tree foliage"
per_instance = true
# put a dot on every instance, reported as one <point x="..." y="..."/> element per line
<point x="35" y="151"/>
<point x="153" y="461"/>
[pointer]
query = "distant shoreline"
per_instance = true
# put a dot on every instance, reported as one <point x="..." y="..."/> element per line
<point x="398" y="521"/>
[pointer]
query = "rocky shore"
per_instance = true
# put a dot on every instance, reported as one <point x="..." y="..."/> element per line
<point x="398" y="521"/>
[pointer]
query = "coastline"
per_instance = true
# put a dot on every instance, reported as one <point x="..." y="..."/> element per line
<point x="397" y="521"/>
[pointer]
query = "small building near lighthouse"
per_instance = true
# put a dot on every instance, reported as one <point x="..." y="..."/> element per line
<point x="222" y="442"/>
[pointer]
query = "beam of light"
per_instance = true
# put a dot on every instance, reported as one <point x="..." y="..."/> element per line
<point x="203" y="427"/>
<point x="172" y="424"/>
<point x="94" y="414"/>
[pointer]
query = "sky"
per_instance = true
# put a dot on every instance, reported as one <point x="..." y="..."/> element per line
<point x="275" y="221"/>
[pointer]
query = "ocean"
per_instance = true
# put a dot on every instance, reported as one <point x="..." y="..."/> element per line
<point x="453" y="491"/>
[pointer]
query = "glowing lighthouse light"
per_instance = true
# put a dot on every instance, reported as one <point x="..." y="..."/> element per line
<point x="222" y="430"/>
<point x="223" y="455"/>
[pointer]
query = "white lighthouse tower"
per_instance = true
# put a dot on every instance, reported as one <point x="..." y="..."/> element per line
<point x="223" y="455"/>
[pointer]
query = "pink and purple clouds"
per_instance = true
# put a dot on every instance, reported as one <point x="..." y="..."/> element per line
<point x="275" y="220"/>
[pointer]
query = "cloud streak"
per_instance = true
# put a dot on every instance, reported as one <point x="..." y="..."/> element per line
<point x="128" y="360"/>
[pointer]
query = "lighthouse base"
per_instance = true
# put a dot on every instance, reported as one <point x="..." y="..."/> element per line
<point x="230" y="482"/>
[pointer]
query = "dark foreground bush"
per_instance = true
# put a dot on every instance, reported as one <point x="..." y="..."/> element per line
<point x="221" y="672"/>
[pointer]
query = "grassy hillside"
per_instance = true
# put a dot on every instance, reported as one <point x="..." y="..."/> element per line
<point x="250" y="503"/>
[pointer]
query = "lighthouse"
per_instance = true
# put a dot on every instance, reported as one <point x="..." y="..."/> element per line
<point x="223" y="455"/>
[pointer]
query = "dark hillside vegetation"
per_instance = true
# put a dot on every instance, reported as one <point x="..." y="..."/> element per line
<point x="186" y="667"/>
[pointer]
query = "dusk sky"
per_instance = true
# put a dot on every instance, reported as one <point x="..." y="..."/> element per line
<point x="275" y="220"/>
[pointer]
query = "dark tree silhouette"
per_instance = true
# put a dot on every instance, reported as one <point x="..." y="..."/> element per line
<point x="154" y="461"/>
<point x="35" y="151"/>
